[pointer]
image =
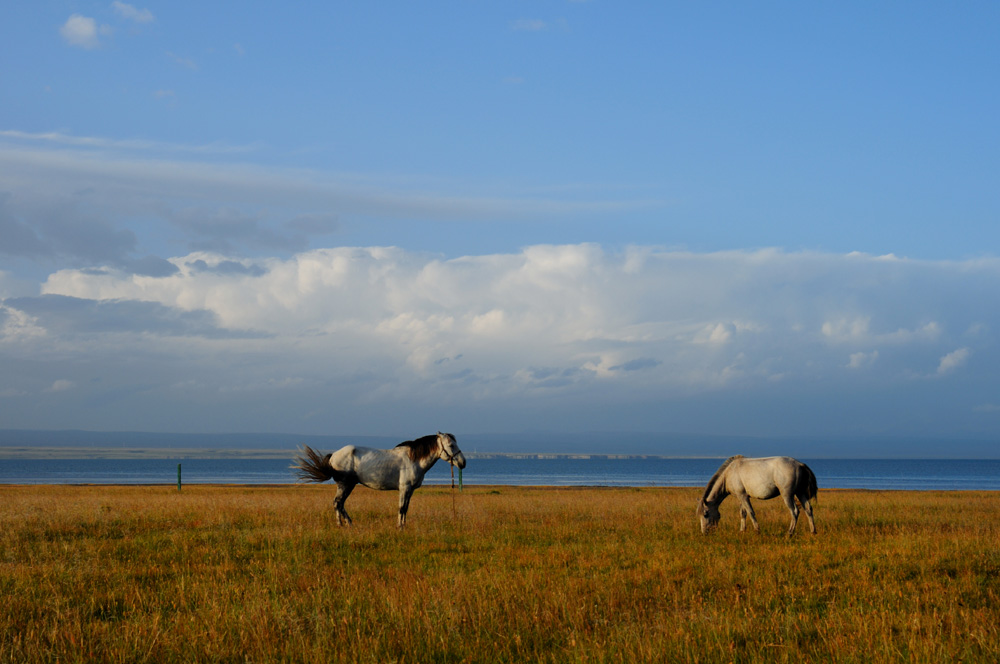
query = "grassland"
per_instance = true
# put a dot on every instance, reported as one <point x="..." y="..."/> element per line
<point x="234" y="574"/>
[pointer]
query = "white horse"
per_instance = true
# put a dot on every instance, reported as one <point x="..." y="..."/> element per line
<point x="402" y="468"/>
<point x="762" y="478"/>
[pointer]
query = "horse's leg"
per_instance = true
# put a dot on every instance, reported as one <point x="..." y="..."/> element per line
<point x="344" y="490"/>
<point x="746" y="505"/>
<point x="743" y="518"/>
<point x="807" y="506"/>
<point x="794" y="509"/>
<point x="404" y="503"/>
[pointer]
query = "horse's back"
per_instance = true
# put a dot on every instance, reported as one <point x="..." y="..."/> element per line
<point x="372" y="467"/>
<point x="767" y="477"/>
<point x="792" y="476"/>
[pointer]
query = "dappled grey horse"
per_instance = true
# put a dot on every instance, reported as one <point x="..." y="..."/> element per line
<point x="762" y="478"/>
<point x="401" y="468"/>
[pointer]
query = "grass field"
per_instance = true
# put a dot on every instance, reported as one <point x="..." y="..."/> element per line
<point x="260" y="574"/>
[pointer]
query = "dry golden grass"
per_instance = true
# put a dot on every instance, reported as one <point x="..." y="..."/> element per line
<point x="258" y="574"/>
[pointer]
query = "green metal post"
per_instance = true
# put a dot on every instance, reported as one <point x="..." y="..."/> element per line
<point x="178" y="477"/>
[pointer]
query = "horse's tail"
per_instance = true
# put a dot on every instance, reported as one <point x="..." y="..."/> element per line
<point x="311" y="466"/>
<point x="812" y="488"/>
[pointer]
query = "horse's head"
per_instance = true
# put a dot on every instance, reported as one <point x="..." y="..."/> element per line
<point x="448" y="450"/>
<point x="709" y="515"/>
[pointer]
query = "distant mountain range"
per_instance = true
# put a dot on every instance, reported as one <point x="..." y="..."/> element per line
<point x="657" y="444"/>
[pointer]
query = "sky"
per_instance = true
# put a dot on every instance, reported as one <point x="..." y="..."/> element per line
<point x="775" y="220"/>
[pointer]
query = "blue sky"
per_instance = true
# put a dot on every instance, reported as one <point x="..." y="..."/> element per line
<point x="381" y="218"/>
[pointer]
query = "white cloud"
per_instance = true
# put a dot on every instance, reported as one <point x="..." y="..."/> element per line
<point x="83" y="31"/>
<point x="61" y="385"/>
<point x="129" y="12"/>
<point x="719" y="333"/>
<point x="860" y="360"/>
<point x="953" y="360"/>
<point x="576" y="323"/>
<point x="845" y="330"/>
<point x="17" y="327"/>
<point x="573" y="306"/>
<point x="858" y="331"/>
<point x="242" y="302"/>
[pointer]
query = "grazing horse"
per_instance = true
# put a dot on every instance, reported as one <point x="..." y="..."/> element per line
<point x="401" y="468"/>
<point x="762" y="478"/>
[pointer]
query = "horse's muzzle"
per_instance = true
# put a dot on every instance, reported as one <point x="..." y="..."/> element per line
<point x="458" y="460"/>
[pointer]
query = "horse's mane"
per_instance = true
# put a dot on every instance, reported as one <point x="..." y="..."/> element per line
<point x="421" y="448"/>
<point x="717" y="475"/>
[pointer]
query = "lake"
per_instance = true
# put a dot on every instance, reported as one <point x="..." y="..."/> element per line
<point x="878" y="474"/>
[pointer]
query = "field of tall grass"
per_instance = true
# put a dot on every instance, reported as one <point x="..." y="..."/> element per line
<point x="260" y="574"/>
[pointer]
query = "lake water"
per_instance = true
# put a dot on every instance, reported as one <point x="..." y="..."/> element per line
<point x="878" y="474"/>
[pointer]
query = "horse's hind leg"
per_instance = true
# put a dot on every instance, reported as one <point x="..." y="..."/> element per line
<point x="344" y="490"/>
<point x="404" y="504"/>
<point x="807" y="506"/>
<point x="794" y="509"/>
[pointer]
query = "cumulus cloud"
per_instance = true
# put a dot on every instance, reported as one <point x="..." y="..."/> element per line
<point x="718" y="333"/>
<point x="860" y="360"/>
<point x="953" y="361"/>
<point x="250" y="292"/>
<point x="83" y="31"/>
<point x="575" y="325"/>
<point x="565" y="308"/>
<point x="844" y="330"/>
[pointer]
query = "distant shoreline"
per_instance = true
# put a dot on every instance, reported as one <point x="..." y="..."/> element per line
<point x="79" y="444"/>
<point x="52" y="452"/>
<point x="15" y="452"/>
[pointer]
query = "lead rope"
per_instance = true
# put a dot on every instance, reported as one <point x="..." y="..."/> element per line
<point x="454" y="514"/>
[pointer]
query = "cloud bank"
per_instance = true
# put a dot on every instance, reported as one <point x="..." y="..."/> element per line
<point x="150" y="286"/>
<point x="352" y="338"/>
